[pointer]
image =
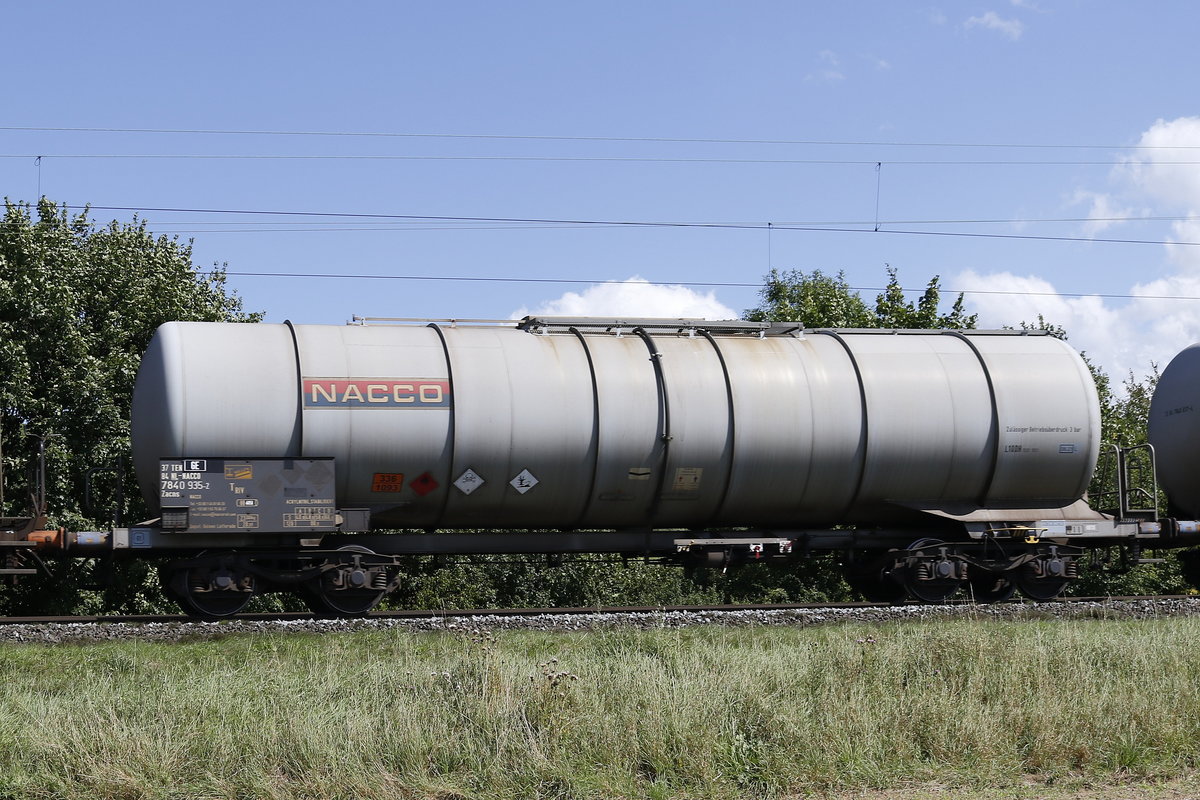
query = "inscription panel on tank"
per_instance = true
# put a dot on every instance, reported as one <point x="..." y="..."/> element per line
<point x="278" y="495"/>
<point x="1029" y="439"/>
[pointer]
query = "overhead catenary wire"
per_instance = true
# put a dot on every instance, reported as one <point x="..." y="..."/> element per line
<point x="770" y="227"/>
<point x="570" y="138"/>
<point x="705" y="284"/>
<point x="198" y="226"/>
<point x="650" y="224"/>
<point x="593" y="159"/>
<point x="442" y="223"/>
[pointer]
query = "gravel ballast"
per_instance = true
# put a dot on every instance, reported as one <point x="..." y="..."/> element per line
<point x="52" y="633"/>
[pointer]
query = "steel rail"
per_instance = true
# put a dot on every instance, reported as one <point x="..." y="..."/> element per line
<point x="292" y="616"/>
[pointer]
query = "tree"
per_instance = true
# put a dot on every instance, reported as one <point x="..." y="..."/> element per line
<point x="78" y="305"/>
<point x="893" y="311"/>
<point x="822" y="301"/>
<point x="815" y="299"/>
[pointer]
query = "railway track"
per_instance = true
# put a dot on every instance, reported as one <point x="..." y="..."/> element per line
<point x="297" y="616"/>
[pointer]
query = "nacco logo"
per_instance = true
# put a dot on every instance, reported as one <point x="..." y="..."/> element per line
<point x="376" y="393"/>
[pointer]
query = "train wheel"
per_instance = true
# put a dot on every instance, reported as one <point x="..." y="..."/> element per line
<point x="210" y="593"/>
<point x="933" y="592"/>
<point x="1035" y="587"/>
<point x="989" y="587"/>
<point x="931" y="578"/>
<point x="327" y="602"/>
<point x="351" y="589"/>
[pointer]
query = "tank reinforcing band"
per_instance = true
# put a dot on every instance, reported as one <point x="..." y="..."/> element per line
<point x="866" y="420"/>
<point x="733" y="440"/>
<point x="991" y="387"/>
<point x="664" y="419"/>
<point x="452" y="425"/>
<point x="591" y="499"/>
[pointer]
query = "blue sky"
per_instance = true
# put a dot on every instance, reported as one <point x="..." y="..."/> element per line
<point x="996" y="144"/>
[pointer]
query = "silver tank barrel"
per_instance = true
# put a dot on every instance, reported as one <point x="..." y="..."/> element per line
<point x="493" y="427"/>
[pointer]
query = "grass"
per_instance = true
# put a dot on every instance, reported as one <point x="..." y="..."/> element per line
<point x="703" y="712"/>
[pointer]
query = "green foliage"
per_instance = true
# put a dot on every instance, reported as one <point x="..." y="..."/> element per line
<point x="815" y="299"/>
<point x="1042" y="324"/>
<point x="893" y="311"/>
<point x="587" y="581"/>
<point x="78" y="305"/>
<point x="814" y="579"/>
<point x="522" y="581"/>
<point x="1111" y="575"/>
<point x="1123" y="419"/>
<point x="821" y="301"/>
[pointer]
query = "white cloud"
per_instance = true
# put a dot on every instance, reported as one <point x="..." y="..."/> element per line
<point x="1103" y="211"/>
<point x="635" y="297"/>
<point x="1166" y="325"/>
<point x="1012" y="28"/>
<point x="1152" y="176"/>
<point x="828" y="75"/>
<point x="831" y="71"/>
<point x="1154" y="170"/>
<point x="1105" y="333"/>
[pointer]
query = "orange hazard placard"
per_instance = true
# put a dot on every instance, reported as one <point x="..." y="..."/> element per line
<point x="387" y="482"/>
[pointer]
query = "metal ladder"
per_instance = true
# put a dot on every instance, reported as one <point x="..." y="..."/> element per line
<point x="1135" y="497"/>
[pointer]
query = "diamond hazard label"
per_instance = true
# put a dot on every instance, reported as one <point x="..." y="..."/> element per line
<point x="523" y="482"/>
<point x="469" y="481"/>
<point x="423" y="484"/>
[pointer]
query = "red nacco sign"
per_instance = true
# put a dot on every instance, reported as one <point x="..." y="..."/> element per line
<point x="376" y="393"/>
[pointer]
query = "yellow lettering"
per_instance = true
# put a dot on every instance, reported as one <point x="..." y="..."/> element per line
<point x="377" y="393"/>
<point x="328" y="395"/>
<point x="403" y="393"/>
<point x="352" y="393"/>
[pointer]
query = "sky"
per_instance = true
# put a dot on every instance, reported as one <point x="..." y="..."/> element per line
<point x="481" y="160"/>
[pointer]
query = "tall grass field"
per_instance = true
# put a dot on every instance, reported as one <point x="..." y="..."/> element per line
<point x="704" y="712"/>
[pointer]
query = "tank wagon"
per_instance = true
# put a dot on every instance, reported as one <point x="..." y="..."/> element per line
<point x="313" y="459"/>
